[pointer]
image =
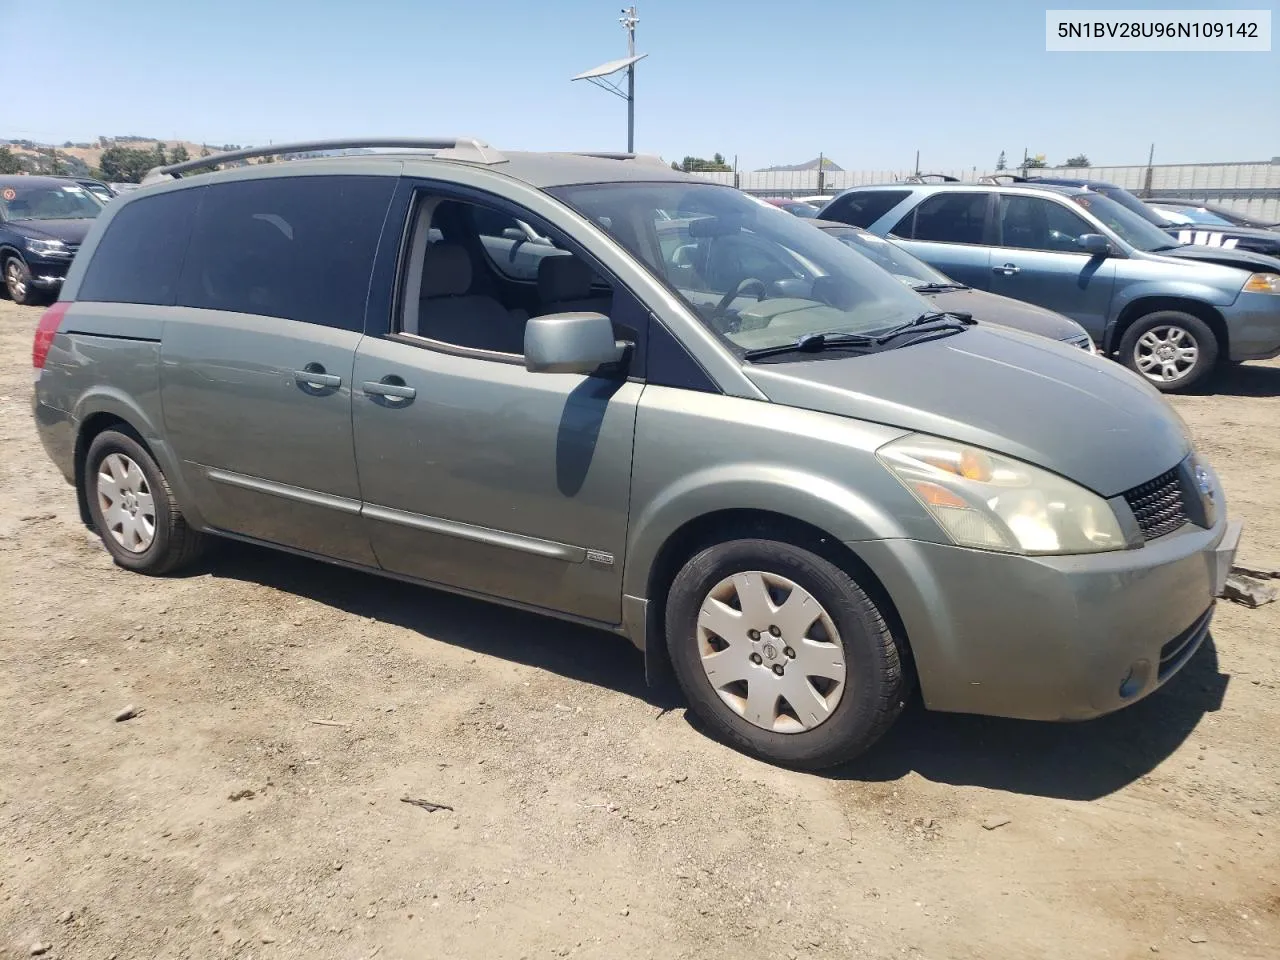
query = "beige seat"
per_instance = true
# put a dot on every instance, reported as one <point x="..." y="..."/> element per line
<point x="564" y="286"/>
<point x="448" y="312"/>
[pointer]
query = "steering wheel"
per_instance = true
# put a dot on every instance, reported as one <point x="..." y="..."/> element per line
<point x="723" y="306"/>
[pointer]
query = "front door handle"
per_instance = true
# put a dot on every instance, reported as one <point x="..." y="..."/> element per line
<point x="1008" y="269"/>
<point x="313" y="376"/>
<point x="392" y="388"/>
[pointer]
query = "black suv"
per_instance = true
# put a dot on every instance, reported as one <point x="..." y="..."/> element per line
<point x="42" y="223"/>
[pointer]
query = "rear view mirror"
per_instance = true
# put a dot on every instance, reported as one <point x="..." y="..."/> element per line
<point x="513" y="233"/>
<point x="571" y="343"/>
<point x="1095" y="244"/>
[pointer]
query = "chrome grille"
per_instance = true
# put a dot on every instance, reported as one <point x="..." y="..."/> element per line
<point x="1158" y="505"/>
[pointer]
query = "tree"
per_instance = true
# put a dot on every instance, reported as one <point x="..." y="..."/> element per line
<point x="205" y="151"/>
<point x="160" y="158"/>
<point x="179" y="154"/>
<point x="126" y="164"/>
<point x="1079" y="160"/>
<point x="1035" y="162"/>
<point x="698" y="165"/>
<point x="1000" y="163"/>
<point x="9" y="162"/>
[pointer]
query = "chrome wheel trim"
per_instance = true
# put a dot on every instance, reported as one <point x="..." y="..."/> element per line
<point x="125" y="502"/>
<point x="771" y="652"/>
<point x="13" y="279"/>
<point x="1166" y="353"/>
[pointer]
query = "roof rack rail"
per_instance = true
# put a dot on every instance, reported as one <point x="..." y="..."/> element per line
<point x="927" y="177"/>
<point x="648" y="158"/>
<point x="997" y="178"/>
<point x="447" y="148"/>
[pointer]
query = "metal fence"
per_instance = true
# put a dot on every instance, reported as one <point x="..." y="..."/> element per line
<point x="1252" y="189"/>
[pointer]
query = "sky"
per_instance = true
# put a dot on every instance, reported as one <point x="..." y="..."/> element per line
<point x="865" y="82"/>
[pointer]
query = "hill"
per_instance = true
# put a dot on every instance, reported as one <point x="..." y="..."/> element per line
<point x="82" y="159"/>
<point x="827" y="164"/>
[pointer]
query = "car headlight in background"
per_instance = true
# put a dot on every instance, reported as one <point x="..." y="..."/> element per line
<point x="1263" y="283"/>
<point x="991" y="502"/>
<point x="46" y="248"/>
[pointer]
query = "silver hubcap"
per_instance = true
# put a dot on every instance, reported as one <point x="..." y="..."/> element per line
<point x="771" y="652"/>
<point x="13" y="276"/>
<point x="1165" y="354"/>
<point x="125" y="501"/>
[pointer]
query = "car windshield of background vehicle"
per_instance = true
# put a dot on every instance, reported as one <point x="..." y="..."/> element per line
<point x="1130" y="227"/>
<point x="912" y="271"/>
<point x="754" y="274"/>
<point x="1130" y="203"/>
<point x="1200" y="215"/>
<point x="70" y="202"/>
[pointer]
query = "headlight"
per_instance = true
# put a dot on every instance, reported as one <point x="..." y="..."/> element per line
<point x="1263" y="283"/>
<point x="991" y="502"/>
<point x="46" y="247"/>
<point x="1084" y="342"/>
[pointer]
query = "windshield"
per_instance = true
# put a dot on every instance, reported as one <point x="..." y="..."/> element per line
<point x="63" y="202"/>
<point x="911" y="270"/>
<point x="1130" y="203"/>
<point x="754" y="274"/>
<point x="1130" y="227"/>
<point x="1201" y="215"/>
<point x="800" y="209"/>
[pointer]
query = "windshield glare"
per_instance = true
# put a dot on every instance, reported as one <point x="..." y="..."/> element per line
<point x="754" y="274"/>
<point x="1200" y="215"/>
<point x="63" y="202"/>
<point x="1130" y="227"/>
<point x="911" y="270"/>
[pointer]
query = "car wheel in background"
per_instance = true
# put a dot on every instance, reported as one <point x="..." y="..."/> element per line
<point x="133" y="508"/>
<point x="782" y="653"/>
<point x="17" y="282"/>
<point x="1173" y="350"/>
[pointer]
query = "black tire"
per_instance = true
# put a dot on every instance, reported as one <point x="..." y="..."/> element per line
<point x="875" y="685"/>
<point x="1164" y="323"/>
<point x="17" y="281"/>
<point x="174" y="544"/>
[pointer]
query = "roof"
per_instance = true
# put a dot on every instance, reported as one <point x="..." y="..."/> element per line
<point x="22" y="180"/>
<point x="1059" y="188"/>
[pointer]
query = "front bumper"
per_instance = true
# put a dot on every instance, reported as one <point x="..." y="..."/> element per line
<point x="1253" y="326"/>
<point x="48" y="274"/>
<point x="1053" y="638"/>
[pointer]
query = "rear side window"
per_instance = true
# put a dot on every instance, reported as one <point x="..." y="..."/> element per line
<point x="139" y="257"/>
<point x="947" y="218"/>
<point x="300" y="248"/>
<point x="865" y="207"/>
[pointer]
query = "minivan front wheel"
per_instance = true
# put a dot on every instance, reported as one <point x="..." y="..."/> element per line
<point x="133" y="508"/>
<point x="1173" y="350"/>
<point x="782" y="653"/>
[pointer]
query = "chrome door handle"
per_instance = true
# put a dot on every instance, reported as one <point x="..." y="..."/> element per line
<point x="392" y="391"/>
<point x="313" y="375"/>
<point x="1009" y="269"/>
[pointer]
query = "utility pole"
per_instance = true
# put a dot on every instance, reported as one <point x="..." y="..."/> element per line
<point x="629" y="21"/>
<point x="1151" y="157"/>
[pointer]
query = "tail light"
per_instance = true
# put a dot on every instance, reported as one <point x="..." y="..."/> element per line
<point x="45" y="332"/>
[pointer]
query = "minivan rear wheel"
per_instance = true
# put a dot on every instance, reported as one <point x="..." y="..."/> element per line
<point x="1173" y="350"/>
<point x="133" y="508"/>
<point x="782" y="654"/>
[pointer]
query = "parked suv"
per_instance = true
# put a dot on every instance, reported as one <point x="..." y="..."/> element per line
<point x="1075" y="251"/>
<point x="42" y="223"/>
<point x="803" y="500"/>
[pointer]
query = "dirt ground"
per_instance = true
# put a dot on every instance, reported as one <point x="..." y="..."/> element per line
<point x="591" y="817"/>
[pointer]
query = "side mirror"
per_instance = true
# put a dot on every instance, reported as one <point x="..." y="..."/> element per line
<point x="513" y="233"/>
<point x="1095" y="244"/>
<point x="571" y="343"/>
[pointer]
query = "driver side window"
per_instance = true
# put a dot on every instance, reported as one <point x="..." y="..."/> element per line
<point x="1034" y="223"/>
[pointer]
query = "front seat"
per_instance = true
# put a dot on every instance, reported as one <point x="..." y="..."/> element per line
<point x="564" y="286"/>
<point x="447" y="312"/>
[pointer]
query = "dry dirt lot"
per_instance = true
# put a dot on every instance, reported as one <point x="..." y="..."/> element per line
<point x="590" y="817"/>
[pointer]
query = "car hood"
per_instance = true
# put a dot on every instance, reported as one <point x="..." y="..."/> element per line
<point x="1050" y="404"/>
<point x="1007" y="312"/>
<point x="1244" y="259"/>
<point x="68" y="231"/>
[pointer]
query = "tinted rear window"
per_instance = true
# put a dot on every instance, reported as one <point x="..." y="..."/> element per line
<point x="139" y="258"/>
<point x="863" y="208"/>
<point x="300" y="248"/>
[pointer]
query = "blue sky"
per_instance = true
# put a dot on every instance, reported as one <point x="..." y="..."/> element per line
<point x="867" y="82"/>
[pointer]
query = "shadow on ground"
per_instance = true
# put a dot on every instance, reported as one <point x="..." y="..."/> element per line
<point x="1078" y="761"/>
<point x="1247" y="380"/>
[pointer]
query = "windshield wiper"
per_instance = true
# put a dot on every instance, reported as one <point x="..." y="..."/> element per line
<point x="813" y="343"/>
<point x="937" y="287"/>
<point x="927" y="321"/>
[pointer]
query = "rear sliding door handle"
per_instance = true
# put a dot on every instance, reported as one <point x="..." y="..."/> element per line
<point x="392" y="388"/>
<point x="1008" y="269"/>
